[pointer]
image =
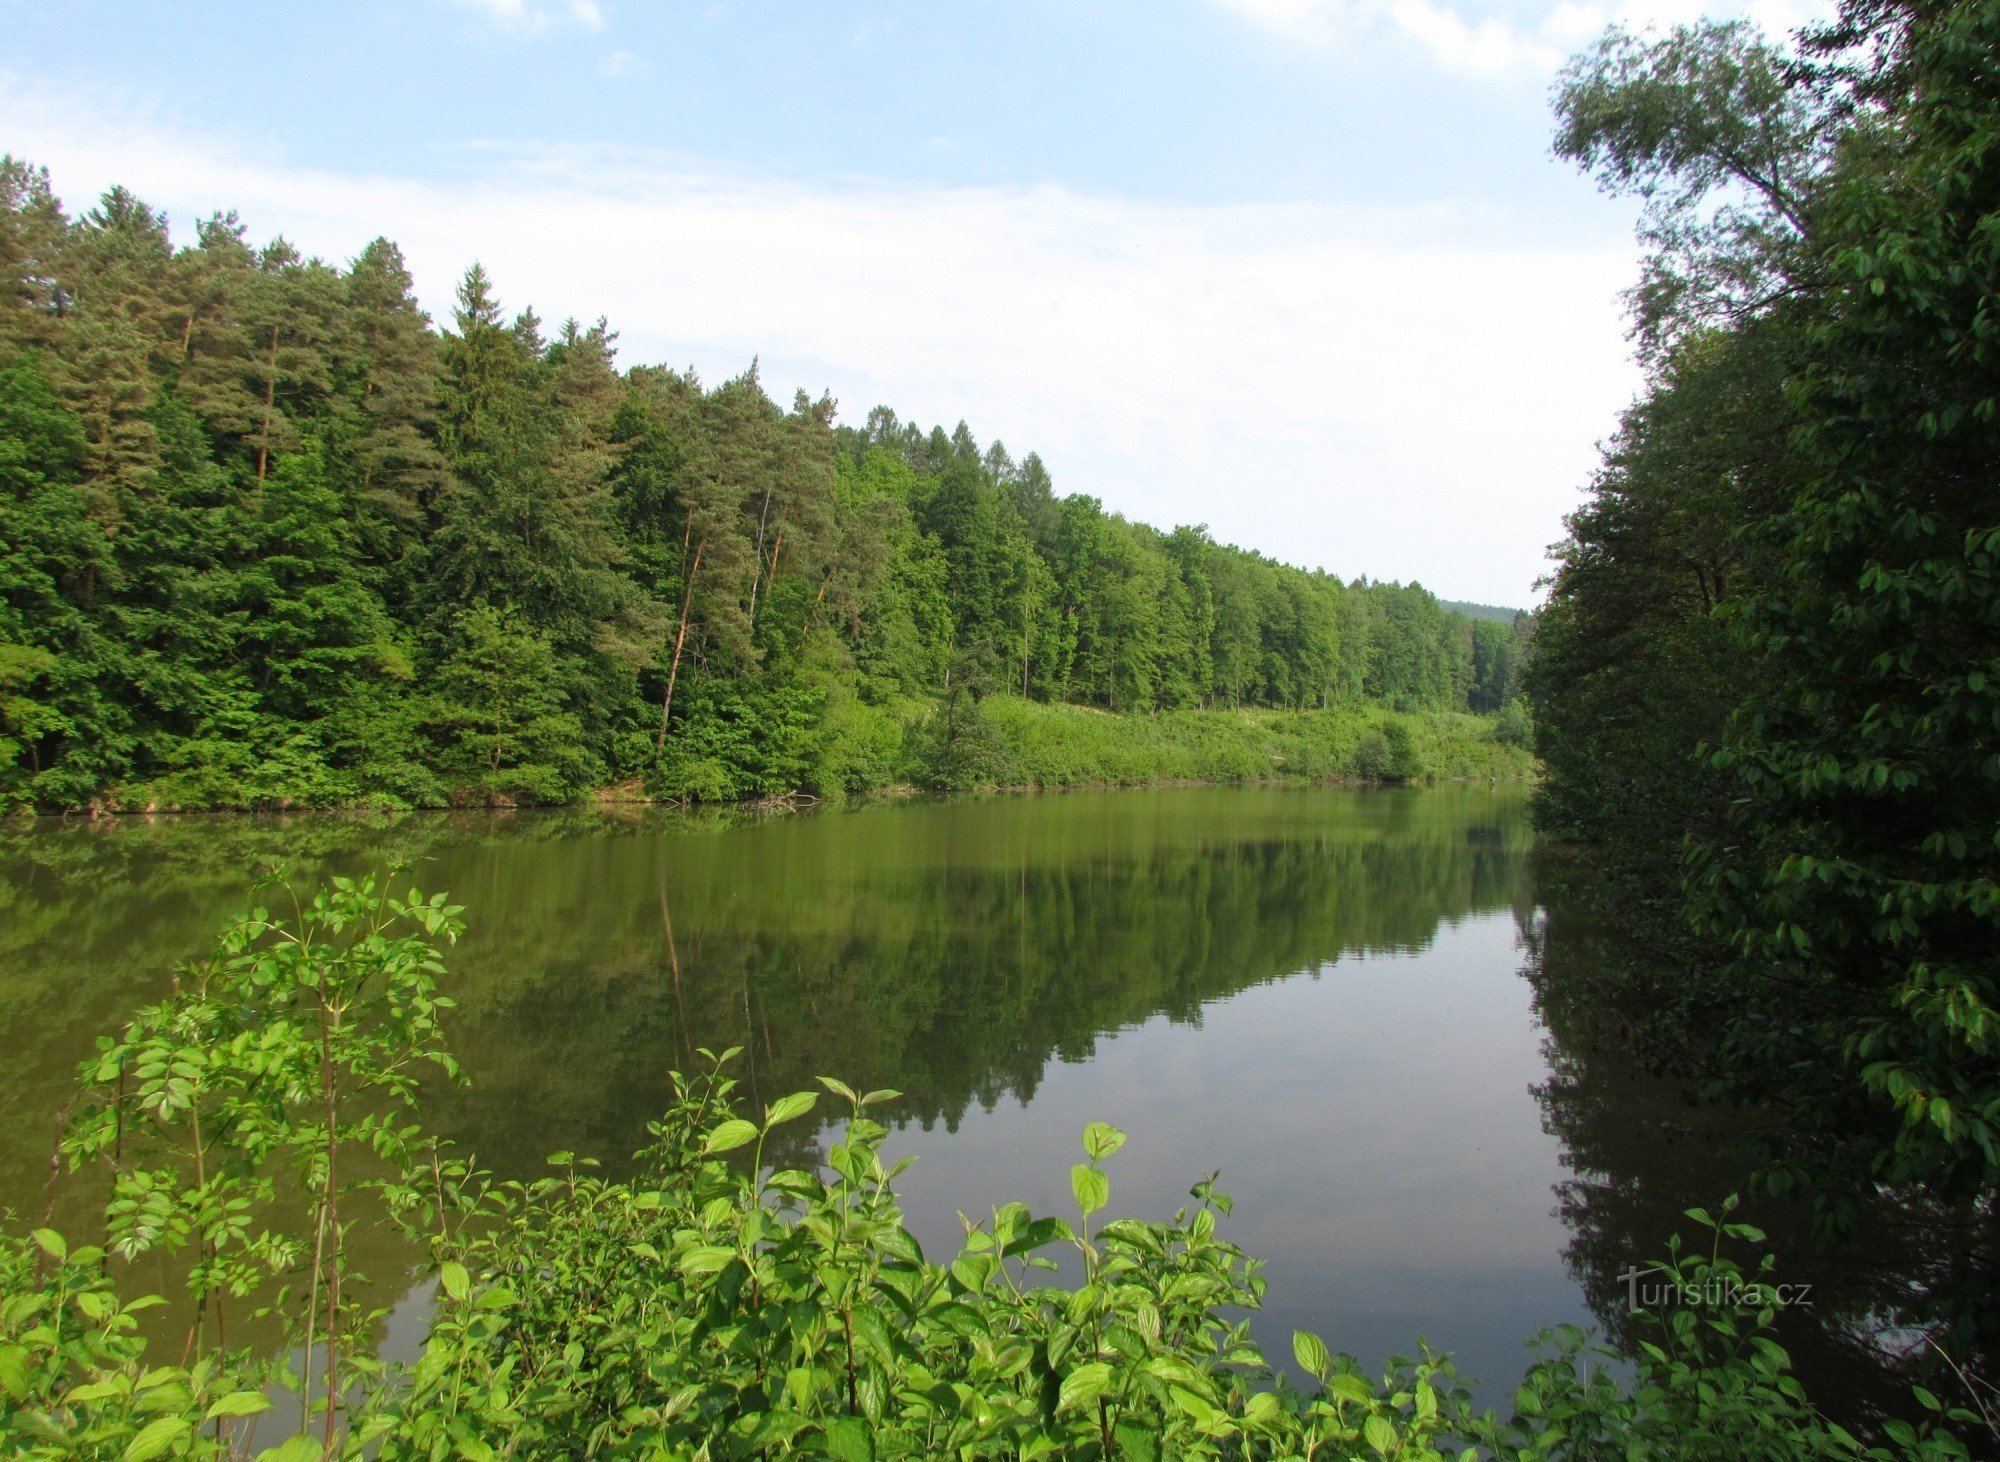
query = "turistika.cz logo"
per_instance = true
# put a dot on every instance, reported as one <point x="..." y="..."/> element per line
<point x="1654" y="1288"/>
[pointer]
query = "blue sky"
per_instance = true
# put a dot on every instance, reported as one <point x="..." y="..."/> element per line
<point x="1299" y="269"/>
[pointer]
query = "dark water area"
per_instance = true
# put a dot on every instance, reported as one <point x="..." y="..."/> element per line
<point x="1362" y="1006"/>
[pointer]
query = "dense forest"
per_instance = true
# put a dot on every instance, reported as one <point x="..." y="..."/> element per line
<point x="1767" y="681"/>
<point x="270" y="538"/>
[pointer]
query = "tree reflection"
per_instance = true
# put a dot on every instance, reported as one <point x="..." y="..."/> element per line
<point x="1642" y="1149"/>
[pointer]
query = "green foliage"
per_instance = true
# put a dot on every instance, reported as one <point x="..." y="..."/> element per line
<point x="1861" y="858"/>
<point x="73" y="1379"/>
<point x="296" y="1044"/>
<point x="287" y="545"/>
<point x="1712" y="1381"/>
<point x="1714" y="130"/>
<point x="1515" y="726"/>
<point x="1004" y="741"/>
<point x="505" y="727"/>
<point x="1765" y="686"/>
<point x="752" y="1309"/>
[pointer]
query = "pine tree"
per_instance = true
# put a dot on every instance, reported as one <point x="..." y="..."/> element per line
<point x="212" y="285"/>
<point x="32" y="236"/>
<point x="294" y="320"/>
<point x="511" y="532"/>
<point x="119" y="334"/>
<point x="390" y="372"/>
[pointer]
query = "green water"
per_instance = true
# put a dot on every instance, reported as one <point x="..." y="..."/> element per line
<point x="1320" y="992"/>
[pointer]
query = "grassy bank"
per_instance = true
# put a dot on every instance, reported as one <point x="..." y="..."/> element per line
<point x="998" y="741"/>
<point x="1008" y="742"/>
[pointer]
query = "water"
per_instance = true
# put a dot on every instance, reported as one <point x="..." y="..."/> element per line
<point x="1319" y="992"/>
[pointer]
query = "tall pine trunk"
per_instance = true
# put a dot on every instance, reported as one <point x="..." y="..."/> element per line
<point x="680" y="640"/>
<point x="270" y="404"/>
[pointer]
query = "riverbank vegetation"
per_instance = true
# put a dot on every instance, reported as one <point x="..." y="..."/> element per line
<point x="739" y="1295"/>
<point x="273" y="540"/>
<point x="1768" y="676"/>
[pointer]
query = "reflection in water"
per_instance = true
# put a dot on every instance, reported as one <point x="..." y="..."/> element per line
<point x="1317" y="991"/>
<point x="1313" y="990"/>
<point x="1640" y="1152"/>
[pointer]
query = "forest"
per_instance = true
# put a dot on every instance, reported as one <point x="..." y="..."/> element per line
<point x="1767" y="679"/>
<point x="271" y="539"/>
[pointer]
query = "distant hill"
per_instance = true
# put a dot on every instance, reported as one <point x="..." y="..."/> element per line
<point x="1479" y="611"/>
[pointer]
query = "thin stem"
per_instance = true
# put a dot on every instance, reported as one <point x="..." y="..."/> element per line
<point x="329" y="1025"/>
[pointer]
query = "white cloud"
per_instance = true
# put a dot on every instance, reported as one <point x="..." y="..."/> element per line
<point x="1476" y="40"/>
<point x="1483" y="48"/>
<point x="622" y="63"/>
<point x="532" y="16"/>
<point x="1407" y="393"/>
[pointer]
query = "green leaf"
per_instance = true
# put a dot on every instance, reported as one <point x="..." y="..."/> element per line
<point x="1204" y="1414"/>
<point x="1083" y="1386"/>
<point x="848" y="1438"/>
<point x="706" y="1259"/>
<point x="768" y="1429"/>
<point x="457" y="1283"/>
<point x="1378" y="1433"/>
<point x="1351" y="1388"/>
<point x="1137" y="1441"/>
<point x="730" y="1135"/>
<point x="1101" y="1140"/>
<point x="1092" y="1188"/>
<point x="784" y="1109"/>
<point x="52" y="1244"/>
<point x="239" y="1403"/>
<point x="14" y="1370"/>
<point x="299" y="1448"/>
<point x="1041" y="1232"/>
<point x="155" y="1437"/>
<point x="1310" y="1352"/>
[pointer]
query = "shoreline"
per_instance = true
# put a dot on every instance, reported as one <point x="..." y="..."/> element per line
<point x="770" y="803"/>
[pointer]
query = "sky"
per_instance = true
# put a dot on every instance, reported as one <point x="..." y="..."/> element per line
<point x="1301" y="270"/>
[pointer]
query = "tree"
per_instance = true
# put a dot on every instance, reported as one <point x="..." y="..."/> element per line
<point x="1861" y="860"/>
<point x="1824" y="376"/>
<point x="501" y="714"/>
<point x="317" y="631"/>
<point x="292" y="315"/>
<point x="115" y="267"/>
<point x="32" y="233"/>
<point x="67" y="735"/>
<point x="214" y="372"/>
<point x="390" y="369"/>
<point x="1711" y="127"/>
<point x="513" y="531"/>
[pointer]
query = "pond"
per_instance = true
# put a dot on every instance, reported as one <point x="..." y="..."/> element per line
<point x="1335" y="996"/>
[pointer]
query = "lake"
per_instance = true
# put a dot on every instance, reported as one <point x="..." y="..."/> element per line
<point x="1338" y="997"/>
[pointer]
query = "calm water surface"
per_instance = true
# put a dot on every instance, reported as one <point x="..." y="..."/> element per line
<point x="1320" y="992"/>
